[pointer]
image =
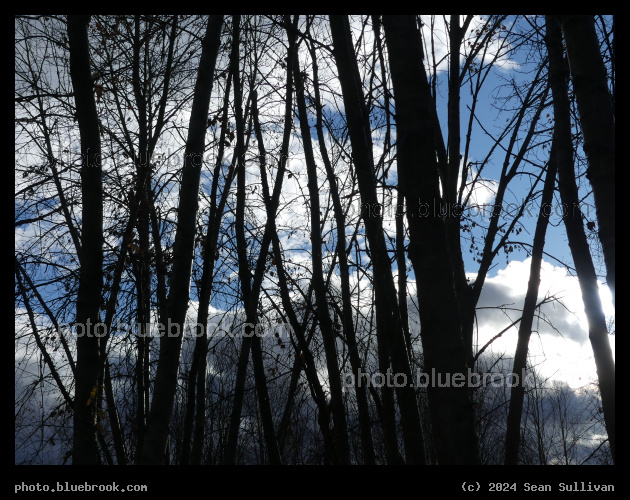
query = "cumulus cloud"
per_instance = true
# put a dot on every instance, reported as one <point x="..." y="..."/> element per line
<point x="559" y="345"/>
<point x="560" y="329"/>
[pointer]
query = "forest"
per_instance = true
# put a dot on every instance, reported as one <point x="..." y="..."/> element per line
<point x="313" y="239"/>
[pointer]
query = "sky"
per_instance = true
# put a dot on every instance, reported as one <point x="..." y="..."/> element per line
<point x="562" y="352"/>
<point x="565" y="354"/>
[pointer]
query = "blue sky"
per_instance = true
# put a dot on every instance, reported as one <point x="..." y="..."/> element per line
<point x="565" y="351"/>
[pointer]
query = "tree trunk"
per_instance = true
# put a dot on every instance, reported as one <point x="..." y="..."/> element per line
<point x="597" y="119"/>
<point x="340" y="426"/>
<point x="196" y="397"/>
<point x="360" y="138"/>
<point x="367" y="442"/>
<point x="308" y="362"/>
<point x="165" y="384"/>
<point x="452" y="220"/>
<point x="573" y="221"/>
<point x="251" y="292"/>
<point x="451" y="409"/>
<point x="517" y="393"/>
<point x="91" y="255"/>
<point x="142" y="266"/>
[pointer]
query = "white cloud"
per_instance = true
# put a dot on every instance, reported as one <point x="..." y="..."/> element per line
<point x="561" y="338"/>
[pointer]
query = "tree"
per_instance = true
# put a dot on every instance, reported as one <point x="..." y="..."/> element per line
<point x="340" y="429"/>
<point x="451" y="409"/>
<point x="177" y="303"/>
<point x="296" y="206"/>
<point x="387" y="310"/>
<point x="517" y="394"/>
<point x="597" y="117"/>
<point x="91" y="250"/>
<point x="573" y="221"/>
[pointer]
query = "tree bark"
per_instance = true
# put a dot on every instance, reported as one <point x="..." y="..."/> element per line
<point x="597" y="119"/>
<point x="360" y="138"/>
<point x="451" y="409"/>
<point x="91" y="255"/>
<point x="165" y="384"/>
<point x="573" y="221"/>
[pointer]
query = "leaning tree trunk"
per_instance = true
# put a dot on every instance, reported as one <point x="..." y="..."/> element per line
<point x="367" y="442"/>
<point x="388" y="317"/>
<point x="165" y="384"/>
<point x="451" y="409"/>
<point x="597" y="119"/>
<point x="196" y="390"/>
<point x="307" y="360"/>
<point x="251" y="291"/>
<point x="340" y="426"/>
<point x="91" y="255"/>
<point x="573" y="221"/>
<point x="517" y="393"/>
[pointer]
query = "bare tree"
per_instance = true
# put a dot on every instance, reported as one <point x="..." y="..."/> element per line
<point x="597" y="119"/>
<point x="177" y="304"/>
<point x="287" y="125"/>
<point x="573" y="221"/>
<point x="91" y="253"/>
<point x="386" y="307"/>
<point x="517" y="393"/>
<point x="451" y="409"/>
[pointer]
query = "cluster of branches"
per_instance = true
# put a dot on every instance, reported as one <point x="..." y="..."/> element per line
<point x="176" y="172"/>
